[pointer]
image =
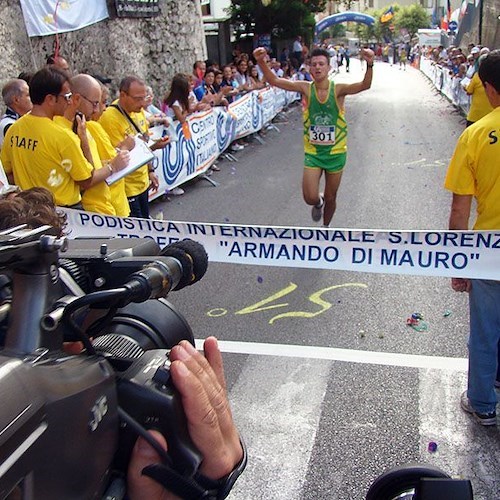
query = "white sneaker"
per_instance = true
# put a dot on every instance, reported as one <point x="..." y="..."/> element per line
<point x="176" y="191"/>
<point x="237" y="147"/>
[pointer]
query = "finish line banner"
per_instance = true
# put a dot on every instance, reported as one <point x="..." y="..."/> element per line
<point x="467" y="254"/>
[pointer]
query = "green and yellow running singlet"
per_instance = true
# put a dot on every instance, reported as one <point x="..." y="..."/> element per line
<point x="325" y="132"/>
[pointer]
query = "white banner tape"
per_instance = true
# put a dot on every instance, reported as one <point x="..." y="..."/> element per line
<point x="470" y="254"/>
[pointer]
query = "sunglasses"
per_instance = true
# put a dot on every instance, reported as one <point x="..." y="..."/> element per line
<point x="66" y="96"/>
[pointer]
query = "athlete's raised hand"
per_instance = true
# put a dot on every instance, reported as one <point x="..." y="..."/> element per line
<point x="367" y="55"/>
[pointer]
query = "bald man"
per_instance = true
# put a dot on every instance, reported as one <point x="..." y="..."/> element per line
<point x="16" y="96"/>
<point x="58" y="62"/>
<point x="85" y="100"/>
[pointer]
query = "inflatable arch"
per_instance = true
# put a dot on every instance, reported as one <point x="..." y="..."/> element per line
<point x="342" y="17"/>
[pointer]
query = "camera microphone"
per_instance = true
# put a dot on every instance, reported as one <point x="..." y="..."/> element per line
<point x="180" y="264"/>
<point x="192" y="257"/>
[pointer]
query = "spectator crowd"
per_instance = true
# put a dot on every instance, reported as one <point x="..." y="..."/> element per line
<point x="73" y="133"/>
<point x="70" y="133"/>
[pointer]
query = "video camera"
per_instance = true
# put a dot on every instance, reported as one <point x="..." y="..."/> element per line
<point x="68" y="422"/>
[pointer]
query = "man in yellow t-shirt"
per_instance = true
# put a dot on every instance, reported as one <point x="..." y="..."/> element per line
<point x="126" y="117"/>
<point x="107" y="152"/>
<point x="86" y="97"/>
<point x="39" y="153"/>
<point x="474" y="173"/>
<point x="480" y="105"/>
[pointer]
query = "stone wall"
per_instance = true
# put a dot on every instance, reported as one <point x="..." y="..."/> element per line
<point x="490" y="28"/>
<point x="152" y="48"/>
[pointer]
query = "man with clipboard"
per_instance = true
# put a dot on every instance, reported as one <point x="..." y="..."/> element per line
<point x="126" y="117"/>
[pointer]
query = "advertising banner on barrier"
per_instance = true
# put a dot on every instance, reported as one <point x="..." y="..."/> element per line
<point x="247" y="113"/>
<point x="267" y="99"/>
<point x="468" y="254"/>
<point x="209" y="133"/>
<point x="197" y="147"/>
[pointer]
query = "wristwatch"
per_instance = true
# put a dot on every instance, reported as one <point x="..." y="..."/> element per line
<point x="369" y="65"/>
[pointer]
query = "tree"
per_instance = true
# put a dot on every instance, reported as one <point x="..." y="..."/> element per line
<point x="334" y="31"/>
<point x="412" y="18"/>
<point x="409" y="19"/>
<point x="281" y="18"/>
<point x="381" y="32"/>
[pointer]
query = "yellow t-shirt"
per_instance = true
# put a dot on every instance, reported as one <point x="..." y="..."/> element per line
<point x="479" y="106"/>
<point x="40" y="153"/>
<point x="108" y="152"/>
<point x="97" y="198"/>
<point x="118" y="127"/>
<point x="474" y="169"/>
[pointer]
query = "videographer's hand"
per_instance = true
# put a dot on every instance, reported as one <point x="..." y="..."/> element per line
<point x="201" y="384"/>
<point x="461" y="284"/>
<point x="142" y="487"/>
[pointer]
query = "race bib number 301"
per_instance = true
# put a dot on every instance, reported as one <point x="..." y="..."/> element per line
<point x="323" y="135"/>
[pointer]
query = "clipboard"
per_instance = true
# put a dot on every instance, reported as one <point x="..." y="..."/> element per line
<point x="139" y="156"/>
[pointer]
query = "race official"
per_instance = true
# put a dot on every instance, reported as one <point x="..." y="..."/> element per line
<point x="474" y="173"/>
<point x="39" y="153"/>
<point x="126" y="117"/>
<point x="86" y="98"/>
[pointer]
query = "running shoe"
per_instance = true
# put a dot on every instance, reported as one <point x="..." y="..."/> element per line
<point x="317" y="210"/>
<point x="482" y="418"/>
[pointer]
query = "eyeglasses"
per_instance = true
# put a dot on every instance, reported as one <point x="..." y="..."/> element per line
<point x="67" y="96"/>
<point x="95" y="104"/>
<point x="137" y="97"/>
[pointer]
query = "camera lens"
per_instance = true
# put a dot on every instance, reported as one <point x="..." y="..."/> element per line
<point x="154" y="324"/>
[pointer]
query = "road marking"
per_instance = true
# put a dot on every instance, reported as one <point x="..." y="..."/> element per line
<point x="347" y="355"/>
<point x="279" y="422"/>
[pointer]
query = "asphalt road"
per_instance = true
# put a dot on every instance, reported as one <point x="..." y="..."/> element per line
<point x="318" y="424"/>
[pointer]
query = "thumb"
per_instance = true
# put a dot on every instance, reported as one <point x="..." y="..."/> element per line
<point x="143" y="454"/>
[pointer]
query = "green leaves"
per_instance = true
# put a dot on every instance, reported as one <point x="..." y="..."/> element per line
<point x="282" y="18"/>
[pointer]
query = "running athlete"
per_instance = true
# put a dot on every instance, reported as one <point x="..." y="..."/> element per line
<point x="325" y="129"/>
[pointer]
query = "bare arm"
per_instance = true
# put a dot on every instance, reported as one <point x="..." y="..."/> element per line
<point x="459" y="220"/>
<point x="179" y="113"/>
<point x="460" y="212"/>
<point x="97" y="176"/>
<point x="260" y="55"/>
<point x="81" y="131"/>
<point x="343" y="89"/>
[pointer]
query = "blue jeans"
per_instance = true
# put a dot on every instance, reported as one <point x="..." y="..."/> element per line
<point x="484" y="344"/>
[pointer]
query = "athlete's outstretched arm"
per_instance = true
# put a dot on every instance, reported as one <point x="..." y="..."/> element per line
<point x="344" y="89"/>
<point x="260" y="55"/>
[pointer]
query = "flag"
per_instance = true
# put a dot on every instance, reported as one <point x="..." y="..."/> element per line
<point x="387" y="15"/>
<point x="445" y="21"/>
<point x="48" y="17"/>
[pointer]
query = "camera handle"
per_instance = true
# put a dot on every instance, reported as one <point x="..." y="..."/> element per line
<point x="34" y="288"/>
<point x="197" y="487"/>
